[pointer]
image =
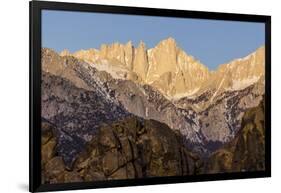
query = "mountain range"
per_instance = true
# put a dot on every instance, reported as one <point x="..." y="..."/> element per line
<point x="89" y="89"/>
<point x="169" y="69"/>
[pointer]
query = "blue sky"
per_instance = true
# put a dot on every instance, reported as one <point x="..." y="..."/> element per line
<point x="213" y="42"/>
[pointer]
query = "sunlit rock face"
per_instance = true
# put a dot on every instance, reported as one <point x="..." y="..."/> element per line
<point x="171" y="70"/>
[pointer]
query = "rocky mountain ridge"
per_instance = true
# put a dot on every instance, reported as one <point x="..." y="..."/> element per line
<point x="141" y="100"/>
<point x="193" y="117"/>
<point x="169" y="69"/>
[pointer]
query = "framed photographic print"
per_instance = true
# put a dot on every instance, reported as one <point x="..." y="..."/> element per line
<point x="125" y="96"/>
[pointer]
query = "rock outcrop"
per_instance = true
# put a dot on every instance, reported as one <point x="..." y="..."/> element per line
<point x="53" y="167"/>
<point x="125" y="149"/>
<point x="246" y="152"/>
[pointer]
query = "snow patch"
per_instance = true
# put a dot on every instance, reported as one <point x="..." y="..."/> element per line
<point x="185" y="94"/>
<point x="214" y="95"/>
<point x="115" y="71"/>
<point x="241" y="84"/>
<point x="146" y="111"/>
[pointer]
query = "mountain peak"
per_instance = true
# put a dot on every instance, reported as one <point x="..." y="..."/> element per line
<point x="129" y="43"/>
<point x="170" y="69"/>
<point x="170" y="39"/>
<point x="168" y="42"/>
<point x="65" y="52"/>
<point x="141" y="44"/>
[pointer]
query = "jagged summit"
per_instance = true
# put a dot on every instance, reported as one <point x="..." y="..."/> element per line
<point x="170" y="69"/>
<point x="168" y="41"/>
<point x="142" y="44"/>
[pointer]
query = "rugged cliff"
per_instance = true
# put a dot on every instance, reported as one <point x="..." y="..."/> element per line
<point x="129" y="148"/>
<point x="171" y="70"/>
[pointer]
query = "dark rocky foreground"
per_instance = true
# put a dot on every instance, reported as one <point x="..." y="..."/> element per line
<point x="126" y="149"/>
<point x="246" y="152"/>
<point x="138" y="148"/>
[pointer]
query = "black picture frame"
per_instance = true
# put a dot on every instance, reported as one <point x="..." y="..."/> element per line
<point x="35" y="93"/>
